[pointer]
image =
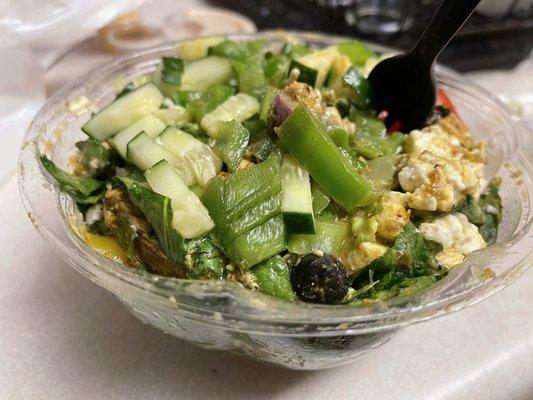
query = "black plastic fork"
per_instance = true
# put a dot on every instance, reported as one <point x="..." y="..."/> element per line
<point x="404" y="85"/>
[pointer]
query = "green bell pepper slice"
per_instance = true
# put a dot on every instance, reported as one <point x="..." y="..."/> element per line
<point x="307" y="140"/>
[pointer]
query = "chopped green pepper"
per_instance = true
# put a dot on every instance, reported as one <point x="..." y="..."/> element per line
<point x="232" y="142"/>
<point x="273" y="278"/>
<point x="308" y="142"/>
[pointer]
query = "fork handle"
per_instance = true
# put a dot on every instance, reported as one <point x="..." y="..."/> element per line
<point x="446" y="21"/>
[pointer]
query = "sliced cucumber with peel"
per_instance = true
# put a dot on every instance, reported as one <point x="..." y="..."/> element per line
<point x="296" y="200"/>
<point x="153" y="126"/>
<point x="202" y="161"/>
<point x="145" y="152"/>
<point x="239" y="107"/>
<point x="197" y="48"/>
<point x="199" y="75"/>
<point x="173" y="116"/>
<point x="124" y="111"/>
<point x="314" y="67"/>
<point x="190" y="218"/>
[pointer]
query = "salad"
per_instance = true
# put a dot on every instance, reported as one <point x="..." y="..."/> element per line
<point x="271" y="168"/>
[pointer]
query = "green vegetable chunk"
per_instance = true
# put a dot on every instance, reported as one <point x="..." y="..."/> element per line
<point x="412" y="252"/>
<point x="232" y="142"/>
<point x="276" y="70"/>
<point x="406" y="268"/>
<point x="362" y="94"/>
<point x="259" y="244"/>
<point x="320" y="198"/>
<point x="273" y="278"/>
<point x="356" y="52"/>
<point x="331" y="236"/>
<point x="308" y="142"/>
<point x="208" y="101"/>
<point x="245" y="207"/>
<point x="297" y="201"/>
<point x="84" y="190"/>
<point x="203" y="259"/>
<point x="168" y="75"/>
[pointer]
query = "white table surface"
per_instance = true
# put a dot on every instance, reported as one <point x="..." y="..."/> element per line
<point x="62" y="337"/>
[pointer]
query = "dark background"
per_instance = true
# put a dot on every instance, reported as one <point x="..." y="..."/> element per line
<point x="482" y="43"/>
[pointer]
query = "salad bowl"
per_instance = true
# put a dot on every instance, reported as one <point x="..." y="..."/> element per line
<point x="221" y="315"/>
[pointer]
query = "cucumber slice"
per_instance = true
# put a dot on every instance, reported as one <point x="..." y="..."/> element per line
<point x="331" y="236"/>
<point x="296" y="202"/>
<point x="173" y="116"/>
<point x="124" y="111"/>
<point x="201" y="74"/>
<point x="197" y="48"/>
<point x="201" y="160"/>
<point x="314" y="67"/>
<point x="190" y="217"/>
<point x="168" y="75"/>
<point x="153" y="126"/>
<point x="145" y="152"/>
<point x="239" y="107"/>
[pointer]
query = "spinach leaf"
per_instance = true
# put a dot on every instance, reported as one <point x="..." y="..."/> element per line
<point x="408" y="266"/>
<point x="203" y="259"/>
<point x="158" y="211"/>
<point x="84" y="190"/>
<point x="491" y="204"/>
<point x="411" y="252"/>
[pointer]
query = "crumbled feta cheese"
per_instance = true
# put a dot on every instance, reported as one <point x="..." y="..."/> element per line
<point x="491" y="209"/>
<point x="358" y="258"/>
<point x="454" y="231"/>
<point x="435" y="183"/>
<point x="439" y="140"/>
<point x="432" y="138"/>
<point x="392" y="216"/>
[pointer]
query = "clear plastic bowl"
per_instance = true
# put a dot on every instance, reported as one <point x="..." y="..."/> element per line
<point x="224" y="316"/>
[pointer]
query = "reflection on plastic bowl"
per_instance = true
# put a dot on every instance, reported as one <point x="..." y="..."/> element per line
<point x="206" y="22"/>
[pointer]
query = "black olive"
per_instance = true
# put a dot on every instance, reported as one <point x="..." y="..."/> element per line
<point x="319" y="279"/>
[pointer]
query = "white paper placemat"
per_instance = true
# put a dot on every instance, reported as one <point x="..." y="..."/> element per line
<point x="63" y="337"/>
